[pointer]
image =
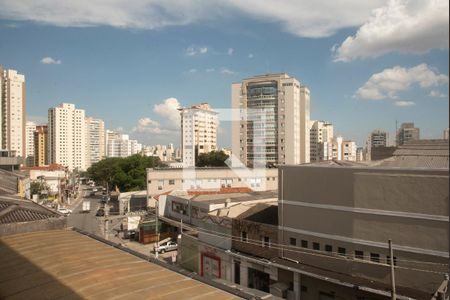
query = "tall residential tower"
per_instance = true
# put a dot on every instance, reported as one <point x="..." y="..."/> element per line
<point x="198" y="132"/>
<point x="12" y="112"/>
<point x="270" y="121"/>
<point x="67" y="136"/>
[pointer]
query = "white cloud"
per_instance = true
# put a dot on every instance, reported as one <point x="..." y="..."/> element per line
<point x="226" y="71"/>
<point x="192" y="70"/>
<point x="147" y="125"/>
<point x="400" y="26"/>
<point x="305" y="19"/>
<point x="404" y="103"/>
<point x="41" y="120"/>
<point x="250" y="55"/>
<point x="193" y="51"/>
<point x="438" y="94"/>
<point x="50" y="61"/>
<point x="389" y="82"/>
<point x="169" y="111"/>
<point x="230" y="51"/>
<point x="209" y="70"/>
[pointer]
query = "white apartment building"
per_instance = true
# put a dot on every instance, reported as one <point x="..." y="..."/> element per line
<point x="198" y="132"/>
<point x="271" y="121"/>
<point x="446" y="130"/>
<point x="120" y="145"/>
<point x="30" y="128"/>
<point x="163" y="152"/>
<point x="12" y="112"/>
<point x="321" y="141"/>
<point x="95" y="140"/>
<point x="67" y="136"/>
<point x="344" y="149"/>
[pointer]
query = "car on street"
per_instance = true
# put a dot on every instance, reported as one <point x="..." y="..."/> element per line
<point x="64" y="211"/>
<point x="169" y="246"/>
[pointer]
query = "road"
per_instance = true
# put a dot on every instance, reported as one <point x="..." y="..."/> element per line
<point x="86" y="221"/>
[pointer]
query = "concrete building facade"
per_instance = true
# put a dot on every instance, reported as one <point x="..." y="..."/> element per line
<point x="120" y="145"/>
<point x="30" y="128"/>
<point x="321" y="141"/>
<point x="270" y="121"/>
<point x="67" y="136"/>
<point x="198" y="132"/>
<point x="95" y="140"/>
<point x="359" y="211"/>
<point x="12" y="112"/>
<point x="406" y="133"/>
<point x="41" y="146"/>
<point x="164" y="180"/>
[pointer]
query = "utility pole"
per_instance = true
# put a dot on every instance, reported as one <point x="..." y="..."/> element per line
<point x="157" y="229"/>
<point x="391" y="260"/>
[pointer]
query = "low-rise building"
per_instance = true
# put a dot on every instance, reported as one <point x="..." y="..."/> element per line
<point x="163" y="180"/>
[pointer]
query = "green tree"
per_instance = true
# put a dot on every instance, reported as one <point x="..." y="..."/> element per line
<point x="212" y="159"/>
<point x="39" y="188"/>
<point x="128" y="173"/>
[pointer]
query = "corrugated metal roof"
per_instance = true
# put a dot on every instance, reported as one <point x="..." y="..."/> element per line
<point x="62" y="264"/>
<point x="432" y="154"/>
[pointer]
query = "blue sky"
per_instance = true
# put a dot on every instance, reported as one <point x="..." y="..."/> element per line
<point x="118" y="70"/>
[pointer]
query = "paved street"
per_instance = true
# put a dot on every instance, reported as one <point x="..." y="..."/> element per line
<point x="85" y="221"/>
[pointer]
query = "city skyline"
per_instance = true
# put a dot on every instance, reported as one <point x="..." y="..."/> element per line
<point x="133" y="75"/>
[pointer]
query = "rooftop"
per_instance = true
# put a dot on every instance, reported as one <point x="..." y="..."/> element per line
<point x="49" y="269"/>
<point x="430" y="154"/>
<point x="16" y="210"/>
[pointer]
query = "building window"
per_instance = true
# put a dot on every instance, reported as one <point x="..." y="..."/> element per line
<point x="341" y="251"/>
<point x="375" y="257"/>
<point x="266" y="242"/>
<point x="388" y="258"/>
<point x="171" y="181"/>
<point x="304" y="289"/>
<point x="316" y="246"/>
<point x="359" y="254"/>
<point x="328" y="248"/>
<point x="244" y="236"/>
<point x="304" y="244"/>
<point x="293" y="241"/>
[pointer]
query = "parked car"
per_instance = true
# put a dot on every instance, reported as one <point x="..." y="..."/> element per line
<point x="100" y="213"/>
<point x="64" y="211"/>
<point x="169" y="246"/>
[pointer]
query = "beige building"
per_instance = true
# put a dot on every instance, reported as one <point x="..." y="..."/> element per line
<point x="67" y="136"/>
<point x="446" y="130"/>
<point x="163" y="180"/>
<point x="271" y="121"/>
<point x="95" y="140"/>
<point x="12" y="112"/>
<point x="41" y="146"/>
<point x="30" y="128"/>
<point x="198" y="132"/>
<point x="407" y="132"/>
<point x="341" y="233"/>
<point x="321" y="141"/>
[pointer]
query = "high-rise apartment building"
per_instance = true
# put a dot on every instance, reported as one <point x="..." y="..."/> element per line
<point x="446" y="130"/>
<point x="198" y="132"/>
<point x="12" y="112"/>
<point x="321" y="141"/>
<point x="407" y="132"/>
<point x="344" y="149"/>
<point x="95" y="140"/>
<point x="30" y="128"/>
<point x="67" y="136"/>
<point x="41" y="146"/>
<point x="270" y="121"/>
<point x="378" y="138"/>
<point x="120" y="145"/>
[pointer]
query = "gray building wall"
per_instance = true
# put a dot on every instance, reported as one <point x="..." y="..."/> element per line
<point x="360" y="209"/>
